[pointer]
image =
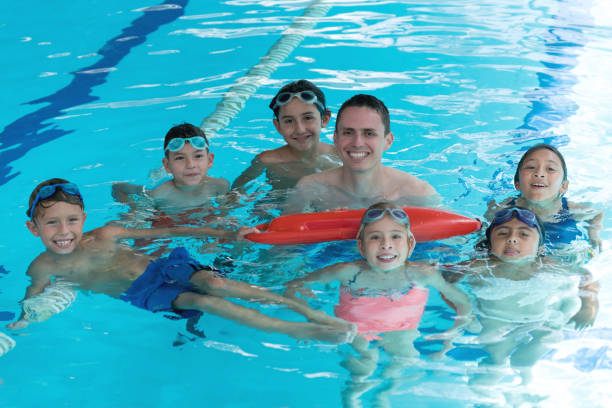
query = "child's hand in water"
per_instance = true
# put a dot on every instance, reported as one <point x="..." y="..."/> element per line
<point x="243" y="231"/>
<point x="18" y="325"/>
<point x="584" y="318"/>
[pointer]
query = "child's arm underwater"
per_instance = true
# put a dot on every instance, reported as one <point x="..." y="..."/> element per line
<point x="252" y="172"/>
<point x="585" y="317"/>
<point x="337" y="272"/>
<point x="40" y="278"/>
<point x="456" y="299"/>
<point x="116" y="232"/>
<point x="593" y="228"/>
<point x="124" y="192"/>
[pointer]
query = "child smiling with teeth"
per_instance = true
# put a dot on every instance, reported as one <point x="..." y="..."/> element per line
<point x="541" y="179"/>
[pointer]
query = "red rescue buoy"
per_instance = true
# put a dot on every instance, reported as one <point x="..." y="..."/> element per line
<point x="427" y="224"/>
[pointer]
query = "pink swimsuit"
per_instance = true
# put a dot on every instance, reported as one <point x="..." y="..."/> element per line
<point x="381" y="314"/>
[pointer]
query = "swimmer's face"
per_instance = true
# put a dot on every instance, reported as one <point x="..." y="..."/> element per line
<point x="514" y="241"/>
<point x="300" y="124"/>
<point x="59" y="226"/>
<point x="541" y="176"/>
<point x="386" y="244"/>
<point x="189" y="165"/>
<point x="360" y="138"/>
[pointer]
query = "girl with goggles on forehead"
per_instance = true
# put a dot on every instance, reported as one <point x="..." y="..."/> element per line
<point x="572" y="229"/>
<point x="523" y="299"/>
<point x="187" y="159"/>
<point x="384" y="294"/>
<point x="299" y="115"/>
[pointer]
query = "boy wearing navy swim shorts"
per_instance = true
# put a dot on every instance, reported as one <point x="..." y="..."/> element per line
<point x="97" y="261"/>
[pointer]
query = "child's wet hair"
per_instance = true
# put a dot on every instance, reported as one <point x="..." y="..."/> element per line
<point x="368" y="101"/>
<point x="183" y="131"/>
<point x="298" y="86"/>
<point x="383" y="205"/>
<point x="535" y="148"/>
<point x="58" y="196"/>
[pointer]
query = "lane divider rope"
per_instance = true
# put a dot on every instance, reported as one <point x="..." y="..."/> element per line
<point x="235" y="98"/>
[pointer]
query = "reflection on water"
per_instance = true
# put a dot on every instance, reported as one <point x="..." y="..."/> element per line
<point x="469" y="86"/>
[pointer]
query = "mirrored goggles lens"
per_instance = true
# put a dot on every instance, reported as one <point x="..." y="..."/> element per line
<point x="47" y="191"/>
<point x="198" y="142"/>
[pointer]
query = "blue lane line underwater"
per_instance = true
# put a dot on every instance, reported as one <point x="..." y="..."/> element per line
<point x="31" y="131"/>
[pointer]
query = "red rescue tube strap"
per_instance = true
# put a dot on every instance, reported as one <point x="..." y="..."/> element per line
<point x="427" y="224"/>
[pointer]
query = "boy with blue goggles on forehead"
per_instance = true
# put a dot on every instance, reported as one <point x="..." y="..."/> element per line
<point x="300" y="114"/>
<point x="187" y="158"/>
<point x="99" y="262"/>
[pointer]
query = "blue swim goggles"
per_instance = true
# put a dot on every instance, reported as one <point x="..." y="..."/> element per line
<point x="376" y="214"/>
<point x="309" y="97"/>
<point x="525" y="216"/>
<point x="176" y="144"/>
<point x="47" y="191"/>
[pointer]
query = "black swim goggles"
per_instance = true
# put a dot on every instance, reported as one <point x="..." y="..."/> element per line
<point x="309" y="97"/>
<point x="525" y="216"/>
<point x="176" y="144"/>
<point x="47" y="191"/>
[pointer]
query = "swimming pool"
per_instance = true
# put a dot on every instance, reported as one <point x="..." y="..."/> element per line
<point x="470" y="85"/>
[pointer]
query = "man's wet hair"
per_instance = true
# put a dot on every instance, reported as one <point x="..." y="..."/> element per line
<point x="368" y="101"/>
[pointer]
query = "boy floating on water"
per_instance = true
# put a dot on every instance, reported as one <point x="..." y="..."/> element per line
<point x="97" y="261"/>
<point x="383" y="294"/>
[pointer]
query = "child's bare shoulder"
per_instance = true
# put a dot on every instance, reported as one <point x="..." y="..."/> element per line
<point x="41" y="265"/>
<point x="343" y="271"/>
<point x="162" y="190"/>
<point x="420" y="270"/>
<point x="101" y="234"/>
<point x="273" y="156"/>
<point x="218" y="184"/>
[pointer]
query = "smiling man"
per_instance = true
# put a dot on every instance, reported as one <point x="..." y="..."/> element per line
<point x="361" y="137"/>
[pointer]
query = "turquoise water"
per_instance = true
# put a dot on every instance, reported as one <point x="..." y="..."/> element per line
<point x="470" y="85"/>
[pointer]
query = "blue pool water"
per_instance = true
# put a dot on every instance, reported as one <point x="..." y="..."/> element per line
<point x="90" y="88"/>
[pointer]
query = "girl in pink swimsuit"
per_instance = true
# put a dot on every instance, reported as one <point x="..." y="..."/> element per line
<point x="384" y="294"/>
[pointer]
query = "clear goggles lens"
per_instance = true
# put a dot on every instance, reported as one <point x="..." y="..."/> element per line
<point x="176" y="144"/>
